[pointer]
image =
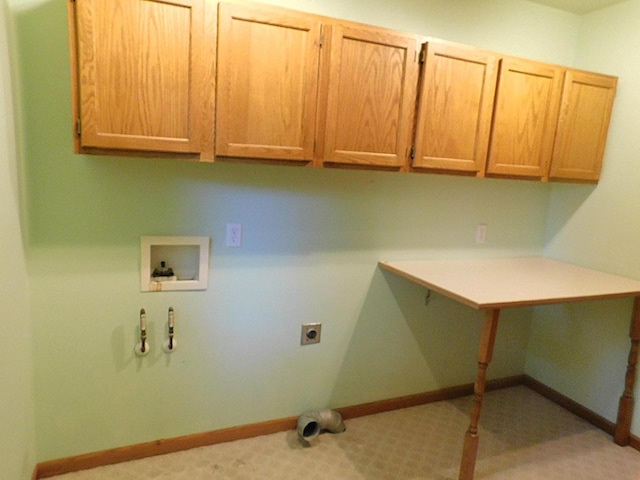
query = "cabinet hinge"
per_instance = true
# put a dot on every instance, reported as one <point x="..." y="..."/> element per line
<point x="321" y="36"/>
<point x="422" y="57"/>
<point x="412" y="152"/>
<point x="78" y="126"/>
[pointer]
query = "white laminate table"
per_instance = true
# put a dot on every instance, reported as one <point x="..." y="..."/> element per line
<point x="493" y="284"/>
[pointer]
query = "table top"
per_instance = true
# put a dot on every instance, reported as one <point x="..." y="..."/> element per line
<point x="509" y="282"/>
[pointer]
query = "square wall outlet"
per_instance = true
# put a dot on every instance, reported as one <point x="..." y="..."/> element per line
<point x="310" y="333"/>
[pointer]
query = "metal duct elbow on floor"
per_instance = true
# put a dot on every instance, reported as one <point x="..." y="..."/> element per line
<point x="311" y="423"/>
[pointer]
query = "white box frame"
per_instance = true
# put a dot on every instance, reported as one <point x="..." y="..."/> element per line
<point x="201" y="282"/>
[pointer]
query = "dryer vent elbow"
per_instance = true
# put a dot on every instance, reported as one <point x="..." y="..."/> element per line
<point x="311" y="423"/>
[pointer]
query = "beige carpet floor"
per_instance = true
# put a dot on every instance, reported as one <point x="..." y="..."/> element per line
<point x="522" y="436"/>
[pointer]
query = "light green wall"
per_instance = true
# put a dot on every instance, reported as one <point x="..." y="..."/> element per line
<point x="597" y="227"/>
<point x="17" y="434"/>
<point x="311" y="242"/>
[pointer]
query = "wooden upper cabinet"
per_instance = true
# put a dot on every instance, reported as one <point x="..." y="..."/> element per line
<point x="137" y="73"/>
<point x="198" y="78"/>
<point x="525" y="118"/>
<point x="587" y="100"/>
<point x="369" y="81"/>
<point x="455" y="108"/>
<point x="268" y="63"/>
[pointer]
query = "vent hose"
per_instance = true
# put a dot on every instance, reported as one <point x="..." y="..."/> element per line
<point x="311" y="423"/>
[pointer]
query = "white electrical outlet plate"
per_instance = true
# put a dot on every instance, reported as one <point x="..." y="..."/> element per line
<point x="234" y="235"/>
<point x="481" y="233"/>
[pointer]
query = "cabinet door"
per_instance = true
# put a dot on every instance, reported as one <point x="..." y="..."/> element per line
<point x="455" y="109"/>
<point x="137" y="74"/>
<point x="268" y="61"/>
<point x="587" y="100"/>
<point x="525" y="118"/>
<point x="371" y="84"/>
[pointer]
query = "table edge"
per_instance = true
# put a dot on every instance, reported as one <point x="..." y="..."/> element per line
<point x="498" y="305"/>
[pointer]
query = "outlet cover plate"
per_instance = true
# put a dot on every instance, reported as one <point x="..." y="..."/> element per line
<point x="234" y="235"/>
<point x="310" y="333"/>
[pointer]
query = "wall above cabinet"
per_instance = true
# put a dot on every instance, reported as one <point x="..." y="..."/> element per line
<point x="258" y="83"/>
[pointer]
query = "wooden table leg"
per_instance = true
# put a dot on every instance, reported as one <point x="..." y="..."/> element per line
<point x="485" y="352"/>
<point x="625" y="409"/>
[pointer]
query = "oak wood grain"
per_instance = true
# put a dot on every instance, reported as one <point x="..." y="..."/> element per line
<point x="138" y="74"/>
<point x="370" y="96"/>
<point x="583" y="123"/>
<point x="456" y="106"/>
<point x="268" y="60"/>
<point x="525" y="118"/>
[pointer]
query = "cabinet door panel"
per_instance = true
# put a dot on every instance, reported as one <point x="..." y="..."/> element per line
<point x="525" y="118"/>
<point x="139" y="73"/>
<point x="268" y="62"/>
<point x="455" y="109"/>
<point x="370" y="97"/>
<point x="587" y="101"/>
